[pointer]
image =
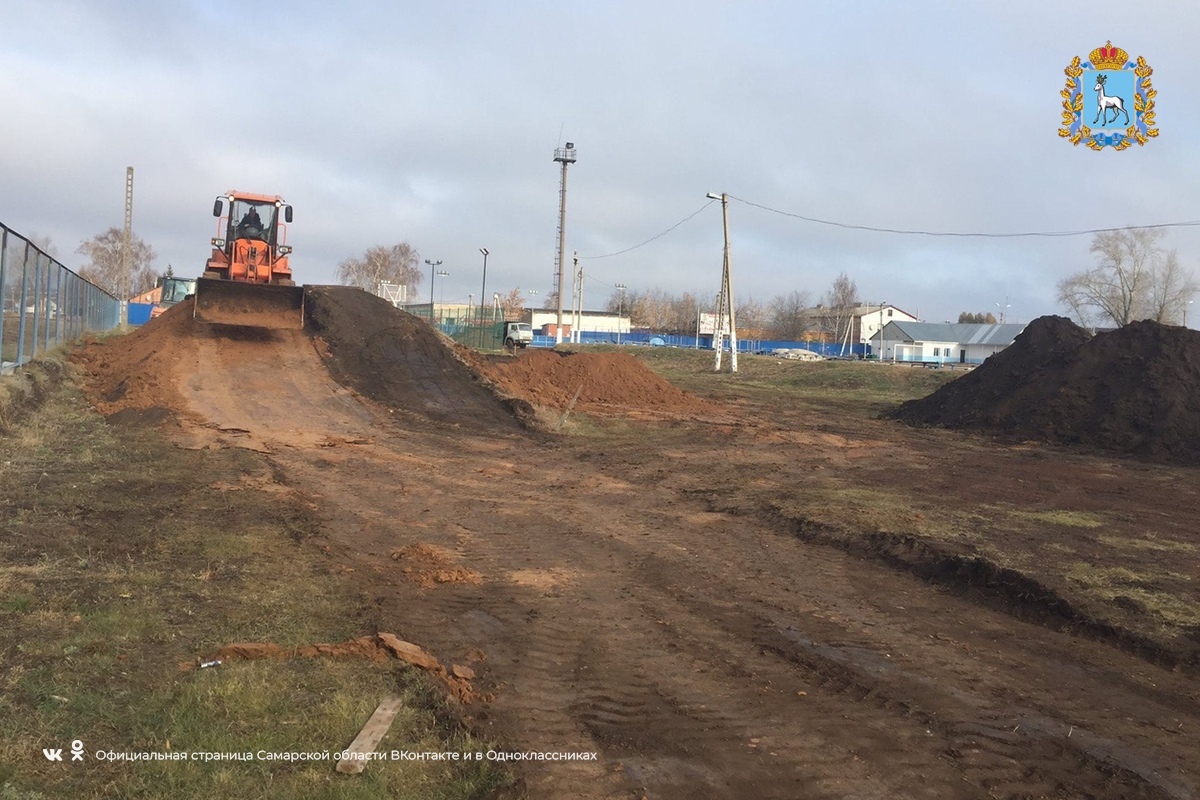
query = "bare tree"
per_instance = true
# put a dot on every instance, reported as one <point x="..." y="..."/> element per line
<point x="1133" y="279"/>
<point x="1170" y="291"/>
<point x="512" y="305"/>
<point x="683" y="313"/>
<point x="43" y="243"/>
<point x="790" y="315"/>
<point x="105" y="267"/>
<point x="751" y="315"/>
<point x="841" y="299"/>
<point x="380" y="264"/>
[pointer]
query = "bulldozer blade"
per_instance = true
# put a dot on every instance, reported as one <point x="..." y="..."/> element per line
<point x="255" y="305"/>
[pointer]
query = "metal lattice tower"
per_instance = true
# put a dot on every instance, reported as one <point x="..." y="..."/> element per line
<point x="127" y="245"/>
<point x="563" y="155"/>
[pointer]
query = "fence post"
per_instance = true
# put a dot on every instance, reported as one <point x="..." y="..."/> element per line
<point x="3" y="286"/>
<point x="46" y="306"/>
<point x="24" y="299"/>
<point x="58" y="305"/>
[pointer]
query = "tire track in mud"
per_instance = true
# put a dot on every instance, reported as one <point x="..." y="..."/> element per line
<point x="623" y="648"/>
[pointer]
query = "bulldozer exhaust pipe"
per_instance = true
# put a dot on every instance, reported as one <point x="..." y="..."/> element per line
<point x="254" y="305"/>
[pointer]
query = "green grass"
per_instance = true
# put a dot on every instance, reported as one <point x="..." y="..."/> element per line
<point x="119" y="564"/>
<point x="863" y="387"/>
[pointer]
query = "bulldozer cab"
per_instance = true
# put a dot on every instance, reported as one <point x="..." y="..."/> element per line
<point x="253" y="220"/>
<point x="247" y="280"/>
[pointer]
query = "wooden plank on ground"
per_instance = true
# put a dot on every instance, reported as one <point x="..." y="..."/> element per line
<point x="369" y="737"/>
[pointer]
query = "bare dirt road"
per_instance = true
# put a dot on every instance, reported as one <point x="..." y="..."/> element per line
<point x="629" y="592"/>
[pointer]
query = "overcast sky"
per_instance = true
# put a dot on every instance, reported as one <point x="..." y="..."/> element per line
<point x="436" y="124"/>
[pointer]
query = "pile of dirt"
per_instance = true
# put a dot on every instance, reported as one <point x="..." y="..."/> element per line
<point x="135" y="374"/>
<point x="400" y="361"/>
<point x="551" y="379"/>
<point x="1135" y="390"/>
<point x="384" y="354"/>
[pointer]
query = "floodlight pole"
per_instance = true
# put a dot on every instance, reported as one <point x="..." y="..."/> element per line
<point x="564" y="156"/>
<point x="725" y="301"/>
<point x="433" y="265"/>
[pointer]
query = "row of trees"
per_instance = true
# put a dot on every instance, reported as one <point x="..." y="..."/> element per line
<point x="1134" y="278"/>
<point x="785" y="316"/>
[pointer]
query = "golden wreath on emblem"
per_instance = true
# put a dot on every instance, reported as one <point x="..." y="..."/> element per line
<point x="1106" y="89"/>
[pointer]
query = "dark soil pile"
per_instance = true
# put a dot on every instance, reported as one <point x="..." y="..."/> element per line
<point x="1135" y="390"/>
<point x="400" y="361"/>
<point x="548" y="378"/>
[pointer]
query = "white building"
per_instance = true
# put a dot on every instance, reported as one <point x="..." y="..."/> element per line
<point x="943" y="342"/>
<point x="545" y="320"/>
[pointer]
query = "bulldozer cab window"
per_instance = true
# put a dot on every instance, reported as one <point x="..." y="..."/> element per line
<point x="253" y="220"/>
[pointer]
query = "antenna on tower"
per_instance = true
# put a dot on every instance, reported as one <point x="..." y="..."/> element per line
<point x="563" y="155"/>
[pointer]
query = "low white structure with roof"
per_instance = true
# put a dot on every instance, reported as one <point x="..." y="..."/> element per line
<point x="943" y="342"/>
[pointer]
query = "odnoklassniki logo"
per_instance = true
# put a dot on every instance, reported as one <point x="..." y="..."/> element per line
<point x="1112" y="92"/>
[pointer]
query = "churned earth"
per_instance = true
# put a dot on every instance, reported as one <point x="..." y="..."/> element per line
<point x="663" y="586"/>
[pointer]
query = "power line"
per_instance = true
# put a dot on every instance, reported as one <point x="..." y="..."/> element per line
<point x="954" y="234"/>
<point x="903" y="231"/>
<point x="656" y="236"/>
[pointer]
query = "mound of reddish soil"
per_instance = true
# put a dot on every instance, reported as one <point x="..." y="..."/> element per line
<point x="136" y="372"/>
<point x="551" y="379"/>
<point x="384" y="354"/>
<point x="1135" y="390"/>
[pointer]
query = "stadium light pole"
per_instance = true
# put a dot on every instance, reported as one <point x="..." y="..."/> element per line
<point x="482" y="295"/>
<point x="433" y="265"/>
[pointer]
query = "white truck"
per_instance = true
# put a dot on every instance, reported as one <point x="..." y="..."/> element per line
<point x="516" y="334"/>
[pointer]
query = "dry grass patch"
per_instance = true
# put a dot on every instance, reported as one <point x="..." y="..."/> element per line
<point x="118" y="562"/>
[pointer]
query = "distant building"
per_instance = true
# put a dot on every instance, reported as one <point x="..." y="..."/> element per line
<point x="943" y="342"/>
<point x="864" y="321"/>
<point x="544" y="321"/>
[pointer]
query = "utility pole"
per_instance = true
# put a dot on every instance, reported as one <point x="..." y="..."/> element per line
<point x="127" y="248"/>
<point x="563" y="155"/>
<point x="577" y="300"/>
<point x="620" y="287"/>
<point x="482" y="295"/>
<point x="725" y="298"/>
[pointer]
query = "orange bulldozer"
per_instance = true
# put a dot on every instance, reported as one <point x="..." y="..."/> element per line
<point x="247" y="280"/>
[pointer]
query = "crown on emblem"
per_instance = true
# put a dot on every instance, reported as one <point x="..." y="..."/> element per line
<point x="1108" y="57"/>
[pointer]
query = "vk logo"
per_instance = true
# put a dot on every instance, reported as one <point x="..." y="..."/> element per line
<point x="56" y="754"/>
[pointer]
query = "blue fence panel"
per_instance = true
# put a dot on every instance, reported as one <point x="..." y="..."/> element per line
<point x="704" y="342"/>
<point x="139" y="313"/>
